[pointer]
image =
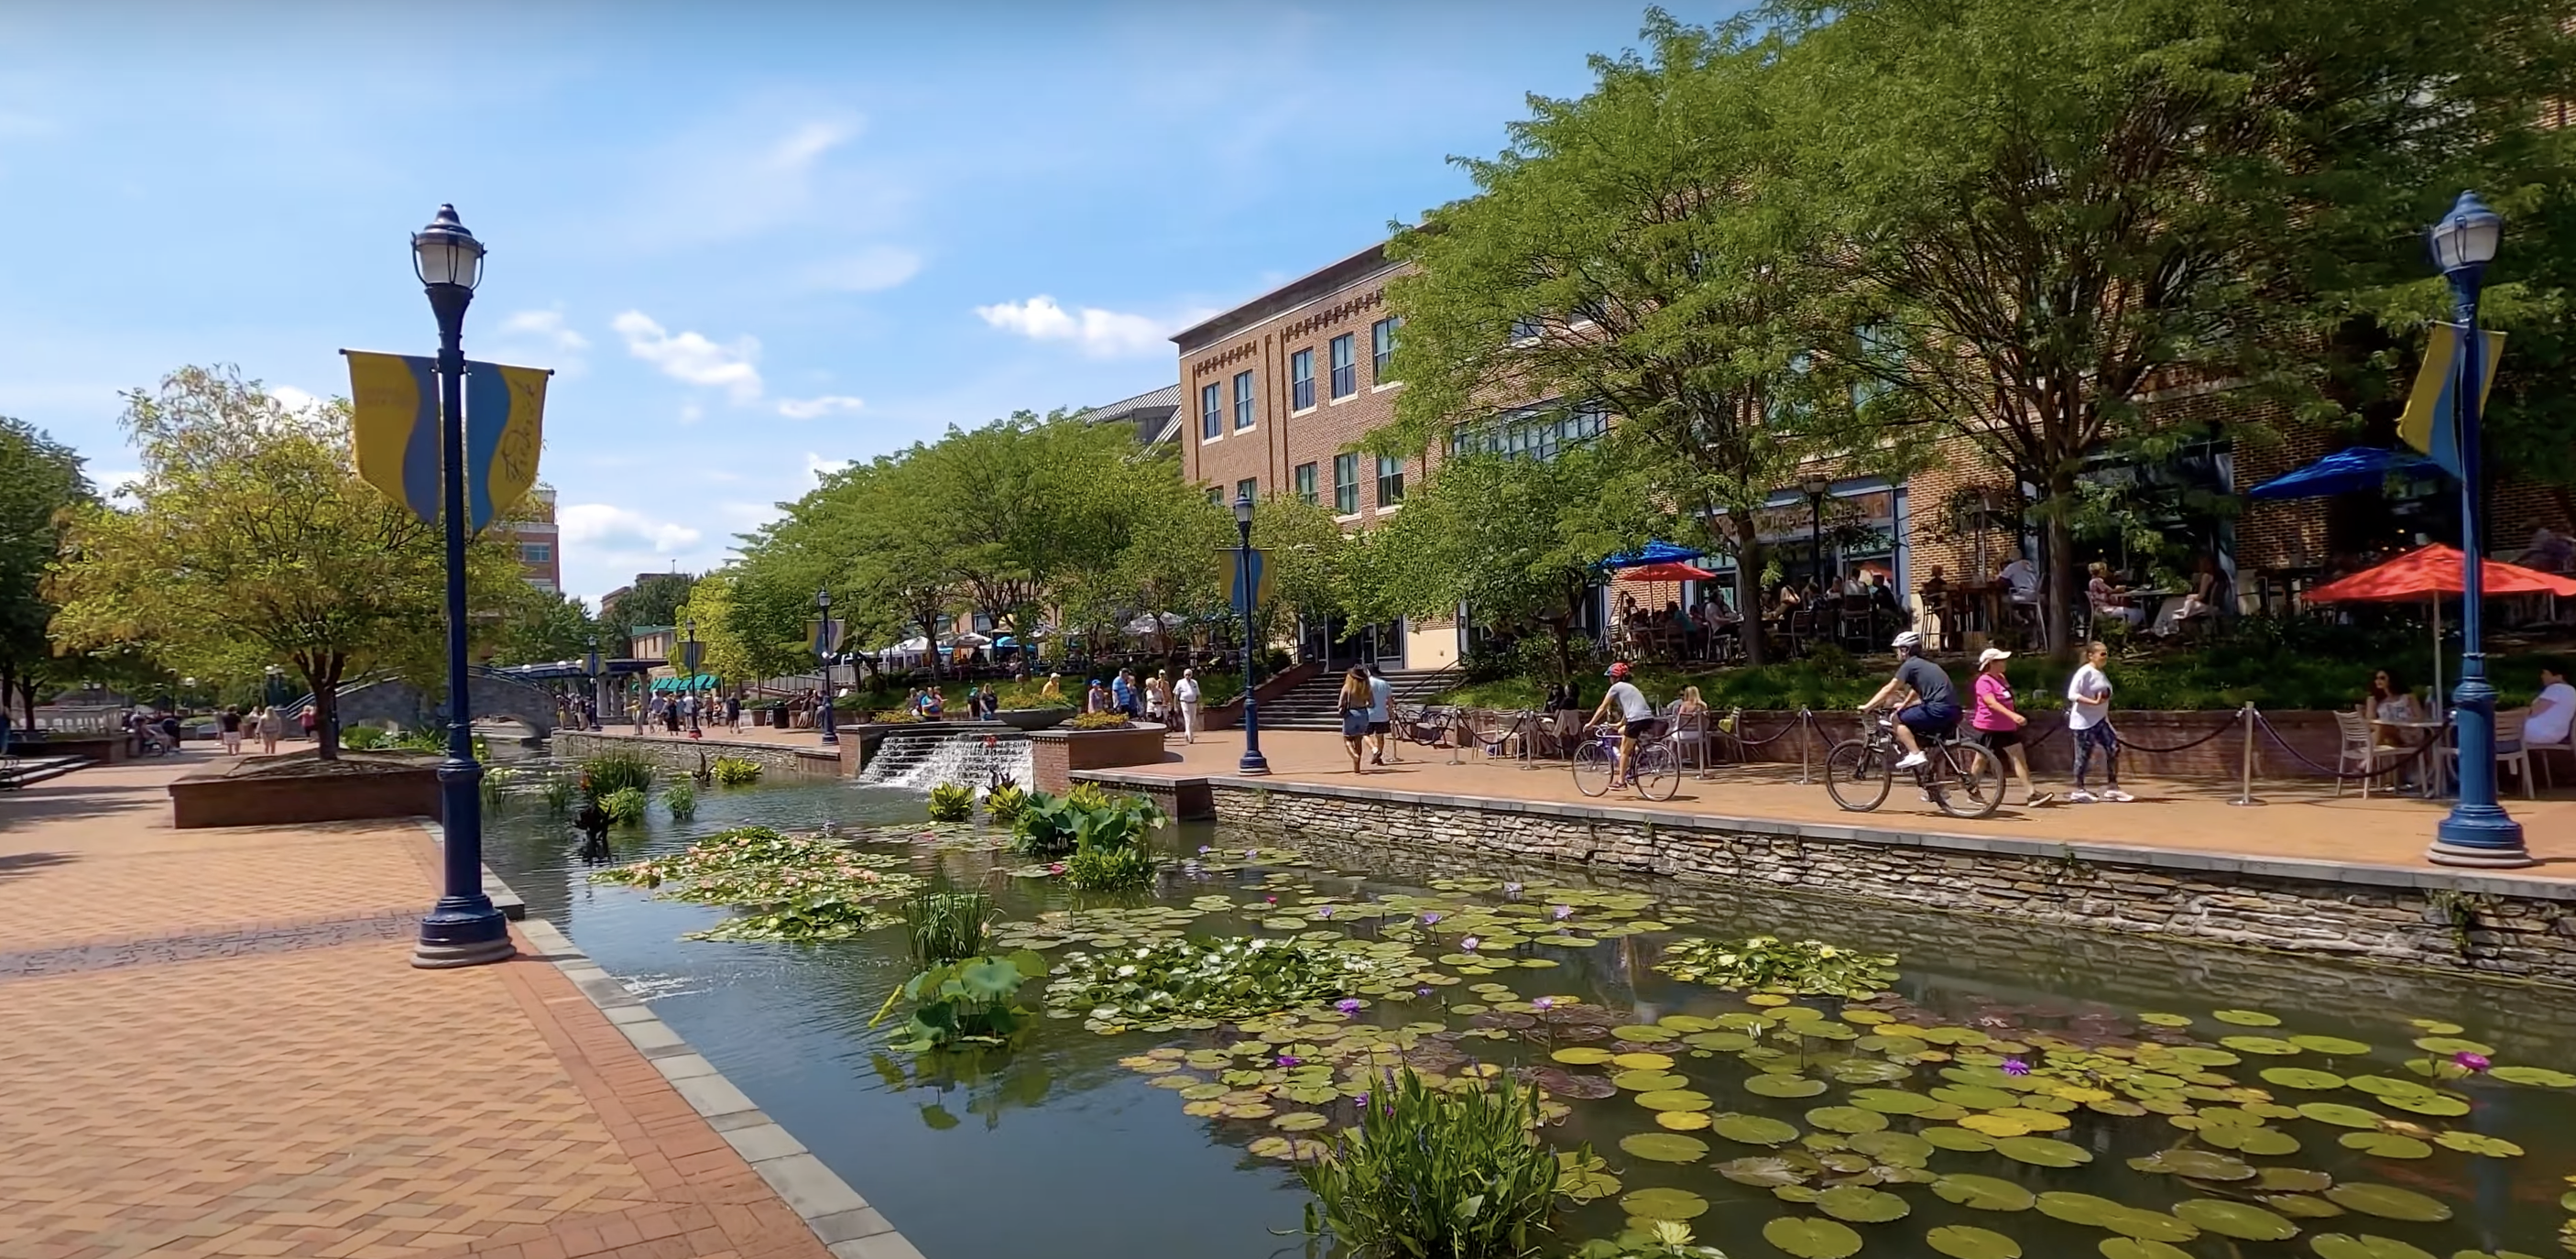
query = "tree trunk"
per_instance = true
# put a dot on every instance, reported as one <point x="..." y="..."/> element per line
<point x="2058" y="590"/>
<point x="930" y="640"/>
<point x="326" y="710"/>
<point x="1748" y="587"/>
<point x="27" y="700"/>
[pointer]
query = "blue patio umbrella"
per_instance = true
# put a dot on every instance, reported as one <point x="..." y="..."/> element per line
<point x="2352" y="471"/>
<point x="1653" y="553"/>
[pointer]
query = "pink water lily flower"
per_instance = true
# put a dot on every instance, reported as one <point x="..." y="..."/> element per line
<point x="2469" y="1062"/>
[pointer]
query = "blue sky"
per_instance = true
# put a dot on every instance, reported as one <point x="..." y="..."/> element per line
<point x="753" y="238"/>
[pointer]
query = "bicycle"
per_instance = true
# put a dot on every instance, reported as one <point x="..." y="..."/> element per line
<point x="1963" y="778"/>
<point x="1654" y="769"/>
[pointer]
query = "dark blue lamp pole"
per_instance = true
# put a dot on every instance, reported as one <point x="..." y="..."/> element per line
<point x="1253" y="761"/>
<point x="2478" y="832"/>
<point x="823" y="650"/>
<point x="592" y="666"/>
<point x="690" y="654"/>
<point x="463" y="929"/>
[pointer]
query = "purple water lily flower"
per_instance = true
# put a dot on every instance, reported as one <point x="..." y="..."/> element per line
<point x="1348" y="1005"/>
<point x="1544" y="1003"/>
<point x="1289" y="1060"/>
<point x="1469" y="944"/>
<point x="1511" y="889"/>
<point x="1325" y="912"/>
<point x="1564" y="912"/>
<point x="1422" y="992"/>
<point x="2469" y="1062"/>
<point x="2015" y="1066"/>
<point x="1431" y="920"/>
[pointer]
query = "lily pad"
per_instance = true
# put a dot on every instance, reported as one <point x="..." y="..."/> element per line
<point x="2340" y="1115"/>
<point x="1807" y="1237"/>
<point x="1652" y="1081"/>
<point x="2388" y="1202"/>
<point x="1665" y="1147"/>
<point x="2165" y="1020"/>
<point x="2235" y="1219"/>
<point x="1975" y="1096"/>
<point x="2302" y="1078"/>
<point x="1846" y="1119"/>
<point x="1581" y="1055"/>
<point x="1765" y="1171"/>
<point x="1902" y="1149"/>
<point x="1753" y="1129"/>
<point x="2246" y="1018"/>
<point x="1674" y="1099"/>
<point x="1665" y="1204"/>
<point x="2300" y="1206"/>
<point x="2269" y="1046"/>
<point x="2260" y="1142"/>
<point x="2043" y="1152"/>
<point x="2478" y="1143"/>
<point x="2389" y="1086"/>
<point x="1640" y="1060"/>
<point x="2195" y="1165"/>
<point x="2078" y="1208"/>
<point x="1681" y="1120"/>
<point x="2385" y="1144"/>
<point x="2135" y="1248"/>
<point x="1893" y="1101"/>
<point x="1588" y="1185"/>
<point x="2541" y="1077"/>
<point x="1861" y="1204"/>
<point x="1959" y="1139"/>
<point x="2439" y="1104"/>
<point x="2334" y="1045"/>
<point x="1967" y="1241"/>
<point x="1985" y="1193"/>
<point x="1783" y="1086"/>
<point x="1299" y="1121"/>
<point x="2347" y="1246"/>
<point x="2447" y="1045"/>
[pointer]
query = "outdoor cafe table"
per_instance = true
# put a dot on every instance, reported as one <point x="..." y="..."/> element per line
<point x="2436" y="778"/>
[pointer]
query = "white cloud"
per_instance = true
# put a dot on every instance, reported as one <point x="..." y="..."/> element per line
<point x="294" y="399"/>
<point x="748" y="174"/>
<point x="818" y="467"/>
<point x="813" y="408"/>
<point x="867" y="271"/>
<point x="1098" y="333"/>
<point x="618" y="530"/>
<point x="691" y="357"/>
<point x="117" y="482"/>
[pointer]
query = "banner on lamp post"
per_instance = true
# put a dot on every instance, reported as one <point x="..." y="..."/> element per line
<point x="1247" y="590"/>
<point x="2431" y="423"/>
<point x="395" y="437"/>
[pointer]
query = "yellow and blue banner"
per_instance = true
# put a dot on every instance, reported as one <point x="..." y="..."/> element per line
<point x="1238" y="588"/>
<point x="394" y="423"/>
<point x="2432" y="420"/>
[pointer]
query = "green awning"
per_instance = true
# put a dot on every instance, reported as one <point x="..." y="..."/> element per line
<point x="702" y="682"/>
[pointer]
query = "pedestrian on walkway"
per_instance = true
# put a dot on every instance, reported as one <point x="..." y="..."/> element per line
<point x="265" y="722"/>
<point x="304" y="719"/>
<point x="2088" y="715"/>
<point x="1354" y="701"/>
<point x="733" y="711"/>
<point x="1186" y="693"/>
<point x="1381" y="714"/>
<point x="1999" y="725"/>
<point x="228" y="723"/>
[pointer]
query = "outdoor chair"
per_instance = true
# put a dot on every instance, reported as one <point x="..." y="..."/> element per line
<point x="2362" y="751"/>
<point x="1690" y="737"/>
<point x="2509" y="749"/>
<point x="2567" y="745"/>
<point x="1494" y="733"/>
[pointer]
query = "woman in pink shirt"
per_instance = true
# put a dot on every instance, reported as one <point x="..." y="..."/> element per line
<point x="1998" y="723"/>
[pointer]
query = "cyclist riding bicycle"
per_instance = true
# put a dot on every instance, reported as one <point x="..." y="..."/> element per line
<point x="1931" y="704"/>
<point x="1636" y="716"/>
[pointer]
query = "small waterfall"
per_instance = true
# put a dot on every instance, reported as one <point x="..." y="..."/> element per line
<point x="919" y="762"/>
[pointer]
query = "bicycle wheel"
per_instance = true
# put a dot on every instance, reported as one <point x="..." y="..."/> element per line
<point x="1856" y="775"/>
<point x="1657" y="773"/>
<point x="1967" y="781"/>
<point x="1592" y="769"/>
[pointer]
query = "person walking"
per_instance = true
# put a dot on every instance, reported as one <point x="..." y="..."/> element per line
<point x="1999" y="725"/>
<point x="2088" y="714"/>
<point x="270" y="730"/>
<point x="305" y="719"/>
<point x="1186" y="693"/>
<point x="1355" y="700"/>
<point x="1381" y="713"/>
<point x="1158" y="696"/>
<point x="229" y="724"/>
<point x="1122" y="692"/>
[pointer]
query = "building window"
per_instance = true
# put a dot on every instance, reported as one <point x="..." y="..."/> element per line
<point x="1306" y="483"/>
<point x="1526" y="329"/>
<point x="1211" y="414"/>
<point x="1248" y="487"/>
<point x="1540" y="432"/>
<point x="1346" y="484"/>
<point x="1346" y="368"/>
<point x="1301" y="379"/>
<point x="1382" y="348"/>
<point x="1216" y="495"/>
<point x="1243" y="400"/>
<point x="1390" y="481"/>
<point x="535" y="552"/>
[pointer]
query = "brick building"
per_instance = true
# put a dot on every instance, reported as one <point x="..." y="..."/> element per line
<point x="540" y="545"/>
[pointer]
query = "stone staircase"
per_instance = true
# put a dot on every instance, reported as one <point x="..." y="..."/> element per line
<point x="22" y="771"/>
<point x="1316" y="705"/>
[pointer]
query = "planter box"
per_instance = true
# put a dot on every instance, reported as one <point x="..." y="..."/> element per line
<point x="393" y="785"/>
<point x="1034" y="718"/>
<point x="1055" y="754"/>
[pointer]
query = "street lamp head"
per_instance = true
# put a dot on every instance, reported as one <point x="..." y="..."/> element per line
<point x="445" y="253"/>
<point x="1815" y="486"/>
<point x="1243" y="508"/>
<point x="2467" y="236"/>
<point x="823" y="600"/>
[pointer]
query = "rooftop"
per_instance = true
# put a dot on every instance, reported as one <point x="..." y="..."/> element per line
<point x="1366" y="264"/>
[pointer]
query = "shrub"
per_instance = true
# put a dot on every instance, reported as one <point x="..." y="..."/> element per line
<point x="946" y="926"/>
<point x="969" y="1001"/>
<point x="1430" y="1172"/>
<point x="1086" y="817"/>
<point x="626" y="804"/>
<point x="893" y="716"/>
<point x="1110" y="869"/>
<point x="681" y="799"/>
<point x="364" y="738"/>
<point x="1101" y="721"/>
<point x="1032" y="695"/>
<point x="1005" y="803"/>
<point x="952" y="802"/>
<point x="734" y="771"/>
<point x="612" y="772"/>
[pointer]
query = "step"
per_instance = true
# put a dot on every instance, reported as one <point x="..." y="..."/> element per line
<point x="35" y="769"/>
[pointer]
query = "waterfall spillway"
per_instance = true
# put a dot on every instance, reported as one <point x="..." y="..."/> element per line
<point x="919" y="762"/>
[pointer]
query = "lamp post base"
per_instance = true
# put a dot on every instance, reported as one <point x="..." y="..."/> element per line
<point x="452" y="956"/>
<point x="462" y="935"/>
<point x="1253" y="765"/>
<point x="2480" y="843"/>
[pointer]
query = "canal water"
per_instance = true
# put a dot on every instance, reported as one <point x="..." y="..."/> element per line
<point x="1077" y="1145"/>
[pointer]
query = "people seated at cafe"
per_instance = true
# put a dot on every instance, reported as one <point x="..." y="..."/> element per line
<point x="2020" y="578"/>
<point x="2550" y="551"/>
<point x="2110" y="600"/>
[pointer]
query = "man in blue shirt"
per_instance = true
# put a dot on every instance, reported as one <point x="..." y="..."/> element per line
<point x="1380" y="714"/>
<point x="1932" y="710"/>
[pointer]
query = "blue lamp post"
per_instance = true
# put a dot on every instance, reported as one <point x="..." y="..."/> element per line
<point x="690" y="654"/>
<point x="1253" y="762"/>
<point x="823" y="652"/>
<point x="463" y="929"/>
<point x="2478" y="831"/>
<point x="591" y="667"/>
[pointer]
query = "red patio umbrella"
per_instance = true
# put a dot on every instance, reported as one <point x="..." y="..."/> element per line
<point x="2430" y="573"/>
<point x="1669" y="570"/>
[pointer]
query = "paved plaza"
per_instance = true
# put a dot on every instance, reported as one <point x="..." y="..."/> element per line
<point x="213" y="1043"/>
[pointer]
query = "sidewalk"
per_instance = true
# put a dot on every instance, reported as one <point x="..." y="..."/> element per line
<point x="213" y="1043"/>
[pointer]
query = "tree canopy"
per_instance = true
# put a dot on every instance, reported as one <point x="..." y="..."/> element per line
<point x="42" y="486"/>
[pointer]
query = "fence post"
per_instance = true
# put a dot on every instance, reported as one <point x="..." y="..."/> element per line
<point x="1806" y="729"/>
<point x="2245" y="789"/>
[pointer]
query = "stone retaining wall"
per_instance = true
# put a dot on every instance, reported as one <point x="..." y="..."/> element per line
<point x="2503" y="927"/>
<point x="1055" y="754"/>
<point x="682" y="753"/>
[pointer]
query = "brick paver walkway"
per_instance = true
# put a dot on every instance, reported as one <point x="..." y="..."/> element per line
<point x="212" y="1043"/>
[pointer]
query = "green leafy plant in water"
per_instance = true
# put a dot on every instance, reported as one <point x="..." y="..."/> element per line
<point x="1052" y="826"/>
<point x="498" y="796"/>
<point x="1428" y="1172"/>
<point x="623" y="805"/>
<point x="1216" y="979"/>
<point x="946" y="925"/>
<point x="616" y="771"/>
<point x="952" y="802"/>
<point x="971" y="1001"/>
<point x="1667" y="1239"/>
<point x="559" y="793"/>
<point x="796" y="888"/>
<point x="682" y="800"/>
<point x="734" y="771"/>
<point x="1110" y="869"/>
<point x="1004" y="804"/>
<point x="1776" y="965"/>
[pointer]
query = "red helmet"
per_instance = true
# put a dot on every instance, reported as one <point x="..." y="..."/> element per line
<point x="1619" y="669"/>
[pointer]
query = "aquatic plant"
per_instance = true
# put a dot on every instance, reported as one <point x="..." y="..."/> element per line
<point x="496" y="790"/>
<point x="796" y="888"/>
<point x="1771" y="964"/>
<point x="1052" y="826"/>
<point x="623" y="805"/>
<point x="947" y="925"/>
<point x="559" y="793"/>
<point x="681" y="799"/>
<point x="1214" y="979"/>
<point x="1004" y="803"/>
<point x="617" y="771"/>
<point x="971" y="1001"/>
<point x="1430" y="1171"/>
<point x="1668" y="1239"/>
<point x="952" y="802"/>
<point x="1097" y="869"/>
<point x="735" y="771"/>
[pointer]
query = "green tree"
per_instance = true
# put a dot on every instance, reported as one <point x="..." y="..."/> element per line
<point x="41" y="486"/>
<point x="654" y="600"/>
<point x="2058" y="209"/>
<point x="1308" y="561"/>
<point x="541" y="626"/>
<point x="253" y="542"/>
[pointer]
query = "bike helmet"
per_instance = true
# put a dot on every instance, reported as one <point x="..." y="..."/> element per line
<point x="1908" y="641"/>
<point x="1619" y="670"/>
